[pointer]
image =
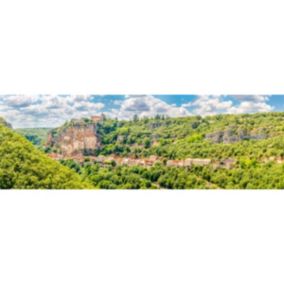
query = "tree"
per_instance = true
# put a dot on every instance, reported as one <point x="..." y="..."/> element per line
<point x="147" y="143"/>
<point x="135" y="118"/>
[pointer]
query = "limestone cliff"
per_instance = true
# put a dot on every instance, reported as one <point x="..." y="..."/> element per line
<point x="75" y="138"/>
<point x="231" y="136"/>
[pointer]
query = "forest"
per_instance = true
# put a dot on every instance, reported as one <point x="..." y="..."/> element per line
<point x="246" y="175"/>
<point x="248" y="136"/>
<point x="22" y="166"/>
<point x="255" y="142"/>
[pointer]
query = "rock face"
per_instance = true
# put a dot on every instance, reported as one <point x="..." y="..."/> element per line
<point x="78" y="137"/>
<point x="231" y="136"/>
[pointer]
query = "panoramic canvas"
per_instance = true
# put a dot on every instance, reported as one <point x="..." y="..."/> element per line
<point x="142" y="142"/>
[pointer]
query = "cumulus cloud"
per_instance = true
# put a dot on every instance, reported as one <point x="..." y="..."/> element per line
<point x="251" y="107"/>
<point x="252" y="103"/>
<point x="215" y="104"/>
<point x="251" y="98"/>
<point x="54" y="110"/>
<point x="46" y="110"/>
<point x="209" y="105"/>
<point x="146" y="106"/>
<point x="18" y="101"/>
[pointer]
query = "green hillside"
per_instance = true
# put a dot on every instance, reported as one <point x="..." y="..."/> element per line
<point x="5" y="123"/>
<point x="252" y="143"/>
<point x="255" y="142"/>
<point x="253" y="136"/>
<point x="24" y="167"/>
<point x="246" y="174"/>
<point x="35" y="135"/>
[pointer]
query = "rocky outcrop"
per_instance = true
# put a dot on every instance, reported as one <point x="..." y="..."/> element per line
<point x="77" y="137"/>
<point x="231" y="136"/>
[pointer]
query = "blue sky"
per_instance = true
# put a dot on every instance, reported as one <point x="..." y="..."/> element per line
<point x="277" y="101"/>
<point x="53" y="110"/>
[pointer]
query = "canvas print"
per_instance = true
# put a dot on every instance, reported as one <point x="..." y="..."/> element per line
<point x="141" y="141"/>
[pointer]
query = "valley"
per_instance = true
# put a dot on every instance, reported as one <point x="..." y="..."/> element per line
<point x="220" y="151"/>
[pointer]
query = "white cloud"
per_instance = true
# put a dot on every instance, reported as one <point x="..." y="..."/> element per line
<point x="46" y="110"/>
<point x="146" y="106"/>
<point x="252" y="103"/>
<point x="54" y="110"/>
<point x="252" y="98"/>
<point x="18" y="100"/>
<point x="214" y="104"/>
<point x="251" y="107"/>
<point x="209" y="105"/>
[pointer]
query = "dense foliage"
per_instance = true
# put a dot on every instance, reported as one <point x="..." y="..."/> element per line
<point x="177" y="138"/>
<point x="257" y="138"/>
<point x="22" y="166"/>
<point x="37" y="136"/>
<point x="254" y="141"/>
<point x="247" y="174"/>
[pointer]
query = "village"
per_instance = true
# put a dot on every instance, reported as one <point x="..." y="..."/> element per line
<point x="146" y="162"/>
<point x="79" y="139"/>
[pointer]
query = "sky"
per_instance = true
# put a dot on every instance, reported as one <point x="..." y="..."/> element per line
<point x="28" y="111"/>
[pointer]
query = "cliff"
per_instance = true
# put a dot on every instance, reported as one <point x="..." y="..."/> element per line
<point x="231" y="136"/>
<point x="75" y="138"/>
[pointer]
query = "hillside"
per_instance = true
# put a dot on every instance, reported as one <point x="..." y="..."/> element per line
<point x="22" y="166"/>
<point x="37" y="136"/>
<point x="255" y="136"/>
<point x="3" y="122"/>
<point x="222" y="151"/>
